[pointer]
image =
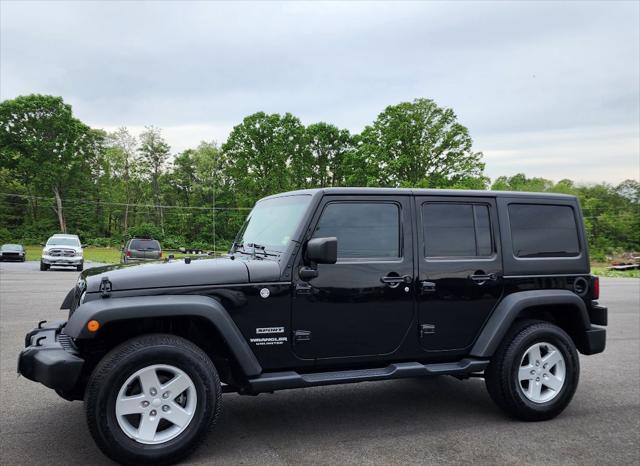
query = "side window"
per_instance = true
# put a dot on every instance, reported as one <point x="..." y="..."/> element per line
<point x="542" y="230"/>
<point x="456" y="230"/>
<point x="363" y="229"/>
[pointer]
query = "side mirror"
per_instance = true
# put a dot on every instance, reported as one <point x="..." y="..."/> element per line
<point x="83" y="246"/>
<point x="322" y="250"/>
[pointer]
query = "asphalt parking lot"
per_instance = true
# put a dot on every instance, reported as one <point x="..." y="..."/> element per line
<point x="418" y="421"/>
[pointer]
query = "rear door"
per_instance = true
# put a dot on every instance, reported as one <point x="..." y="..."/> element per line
<point x="459" y="269"/>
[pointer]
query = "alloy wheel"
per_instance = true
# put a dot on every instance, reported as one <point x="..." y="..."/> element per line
<point x="542" y="372"/>
<point x="156" y="404"/>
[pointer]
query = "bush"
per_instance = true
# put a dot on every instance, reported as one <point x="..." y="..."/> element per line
<point x="174" y="242"/>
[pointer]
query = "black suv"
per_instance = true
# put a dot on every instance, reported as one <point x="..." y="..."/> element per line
<point x="325" y="287"/>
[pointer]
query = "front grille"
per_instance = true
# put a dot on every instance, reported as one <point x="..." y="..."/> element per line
<point x="10" y="254"/>
<point x="66" y="342"/>
<point x="62" y="253"/>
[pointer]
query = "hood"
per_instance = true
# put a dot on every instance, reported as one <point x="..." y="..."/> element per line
<point x="178" y="273"/>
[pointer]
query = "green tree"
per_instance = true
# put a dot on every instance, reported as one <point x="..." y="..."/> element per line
<point x="417" y="144"/>
<point x="265" y="154"/>
<point x="46" y="147"/>
<point x="328" y="147"/>
<point x="154" y="152"/>
<point x="123" y="151"/>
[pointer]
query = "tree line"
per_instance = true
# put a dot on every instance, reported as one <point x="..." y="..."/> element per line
<point x="59" y="174"/>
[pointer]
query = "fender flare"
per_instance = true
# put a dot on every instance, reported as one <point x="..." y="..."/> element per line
<point x="510" y="308"/>
<point x="117" y="309"/>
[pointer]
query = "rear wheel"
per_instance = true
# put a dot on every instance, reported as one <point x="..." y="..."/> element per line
<point x="534" y="373"/>
<point x="152" y="400"/>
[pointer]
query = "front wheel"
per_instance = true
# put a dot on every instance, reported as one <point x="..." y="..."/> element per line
<point x="535" y="371"/>
<point x="152" y="400"/>
<point x="43" y="267"/>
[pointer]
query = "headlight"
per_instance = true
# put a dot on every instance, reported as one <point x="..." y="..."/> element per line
<point x="44" y="252"/>
<point x="79" y="253"/>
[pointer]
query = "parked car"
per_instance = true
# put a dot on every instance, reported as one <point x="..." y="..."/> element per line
<point x="12" y="252"/>
<point x="62" y="250"/>
<point x="331" y="286"/>
<point x="140" y="249"/>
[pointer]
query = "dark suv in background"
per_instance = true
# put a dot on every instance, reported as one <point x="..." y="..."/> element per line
<point x="331" y="286"/>
<point x="140" y="249"/>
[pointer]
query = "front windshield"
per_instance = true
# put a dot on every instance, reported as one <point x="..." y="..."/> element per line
<point x="11" y="247"/>
<point x="63" y="242"/>
<point x="272" y="222"/>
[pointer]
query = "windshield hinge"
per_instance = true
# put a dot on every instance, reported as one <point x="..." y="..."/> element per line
<point x="105" y="287"/>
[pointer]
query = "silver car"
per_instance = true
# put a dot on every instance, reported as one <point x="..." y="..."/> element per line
<point x="64" y="251"/>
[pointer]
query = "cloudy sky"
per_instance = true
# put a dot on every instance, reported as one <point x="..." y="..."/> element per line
<point x="546" y="88"/>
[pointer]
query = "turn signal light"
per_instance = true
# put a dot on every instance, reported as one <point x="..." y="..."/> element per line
<point x="93" y="325"/>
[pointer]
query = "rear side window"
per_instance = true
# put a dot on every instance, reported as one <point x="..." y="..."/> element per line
<point x="144" y="245"/>
<point x="364" y="230"/>
<point x="540" y="230"/>
<point x="456" y="230"/>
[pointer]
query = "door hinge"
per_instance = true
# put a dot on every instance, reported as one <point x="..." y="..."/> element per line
<point x="427" y="329"/>
<point x="302" y="335"/>
<point x="105" y="287"/>
<point x="427" y="287"/>
<point x="303" y="288"/>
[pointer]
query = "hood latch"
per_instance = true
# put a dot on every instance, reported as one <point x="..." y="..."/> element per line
<point x="105" y="287"/>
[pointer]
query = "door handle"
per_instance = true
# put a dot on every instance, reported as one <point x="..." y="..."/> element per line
<point x="393" y="280"/>
<point x="481" y="277"/>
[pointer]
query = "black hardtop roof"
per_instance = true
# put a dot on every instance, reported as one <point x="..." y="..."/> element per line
<point x="423" y="192"/>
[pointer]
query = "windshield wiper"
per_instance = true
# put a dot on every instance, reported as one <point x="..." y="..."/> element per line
<point x="239" y="247"/>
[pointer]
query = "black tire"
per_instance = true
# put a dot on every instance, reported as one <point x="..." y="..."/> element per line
<point x="43" y="267"/>
<point x="501" y="377"/>
<point x="80" y="267"/>
<point x="123" y="361"/>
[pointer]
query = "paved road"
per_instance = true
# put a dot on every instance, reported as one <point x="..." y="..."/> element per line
<point x="420" y="421"/>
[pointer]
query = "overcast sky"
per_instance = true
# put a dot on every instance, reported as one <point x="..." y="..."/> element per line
<point x="550" y="89"/>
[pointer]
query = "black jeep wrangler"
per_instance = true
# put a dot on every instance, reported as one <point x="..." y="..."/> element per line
<point x="325" y="287"/>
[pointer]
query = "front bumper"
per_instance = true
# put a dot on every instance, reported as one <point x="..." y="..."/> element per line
<point x="12" y="257"/>
<point x="63" y="261"/>
<point x="50" y="358"/>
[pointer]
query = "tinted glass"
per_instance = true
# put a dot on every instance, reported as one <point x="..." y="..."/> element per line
<point x="456" y="230"/>
<point x="543" y="230"/>
<point x="11" y="247"/>
<point x="144" y="245"/>
<point x="363" y="229"/>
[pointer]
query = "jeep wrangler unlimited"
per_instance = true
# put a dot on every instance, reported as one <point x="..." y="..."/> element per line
<point x="324" y="287"/>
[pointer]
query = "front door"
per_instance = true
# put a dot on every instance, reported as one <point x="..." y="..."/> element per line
<point x="362" y="305"/>
<point x="459" y="269"/>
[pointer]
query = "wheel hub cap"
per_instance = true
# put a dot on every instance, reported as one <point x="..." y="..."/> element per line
<point x="542" y="372"/>
<point x="156" y="404"/>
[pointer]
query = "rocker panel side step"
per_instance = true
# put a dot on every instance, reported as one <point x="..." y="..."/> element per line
<point x="272" y="381"/>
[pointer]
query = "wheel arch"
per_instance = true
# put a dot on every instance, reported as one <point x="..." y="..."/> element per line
<point x="561" y="307"/>
<point x="200" y="319"/>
